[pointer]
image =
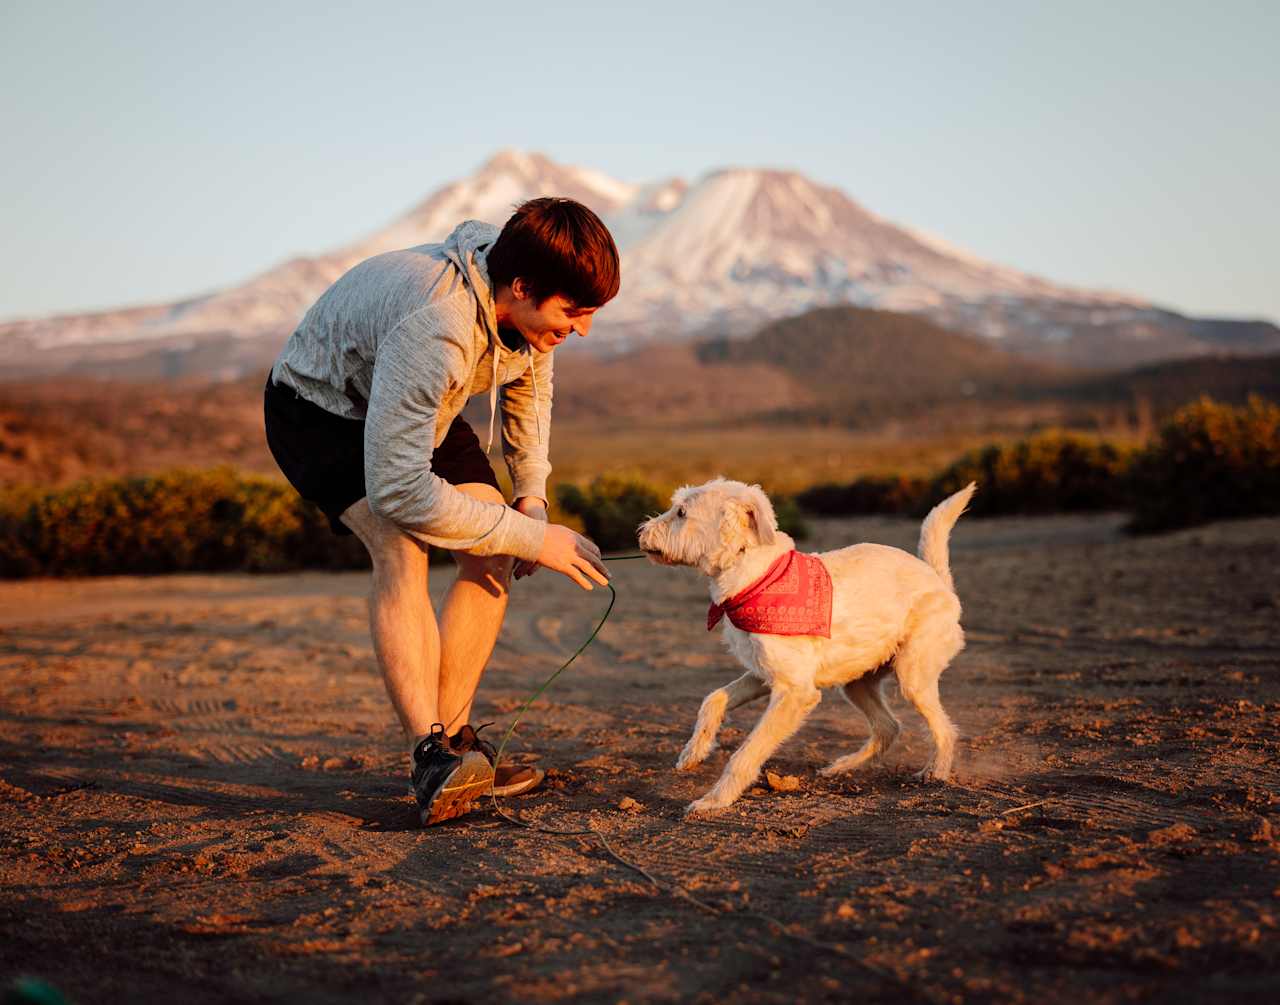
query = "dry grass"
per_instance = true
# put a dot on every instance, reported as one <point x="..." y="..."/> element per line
<point x="783" y="460"/>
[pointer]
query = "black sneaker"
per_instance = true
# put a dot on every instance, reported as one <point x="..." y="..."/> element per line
<point x="447" y="782"/>
<point x="508" y="779"/>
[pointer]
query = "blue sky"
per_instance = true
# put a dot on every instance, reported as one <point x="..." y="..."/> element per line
<point x="156" y="150"/>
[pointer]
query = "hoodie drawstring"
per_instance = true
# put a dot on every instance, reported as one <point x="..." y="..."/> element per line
<point x="493" y="397"/>
<point x="537" y="412"/>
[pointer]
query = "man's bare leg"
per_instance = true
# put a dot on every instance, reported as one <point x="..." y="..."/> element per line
<point x="406" y="639"/>
<point x="431" y="670"/>
<point x="470" y="619"/>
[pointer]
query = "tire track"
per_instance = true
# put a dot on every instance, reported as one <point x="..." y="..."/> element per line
<point x="174" y="793"/>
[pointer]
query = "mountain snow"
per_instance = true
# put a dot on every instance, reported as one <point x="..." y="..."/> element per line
<point x="736" y="249"/>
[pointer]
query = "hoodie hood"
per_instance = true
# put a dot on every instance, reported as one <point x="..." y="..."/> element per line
<point x="466" y="248"/>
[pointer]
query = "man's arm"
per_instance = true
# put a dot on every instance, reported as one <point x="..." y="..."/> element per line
<point x="417" y="364"/>
<point x="526" y="428"/>
<point x="530" y="506"/>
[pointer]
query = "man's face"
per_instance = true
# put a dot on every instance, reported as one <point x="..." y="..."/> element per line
<point x="548" y="324"/>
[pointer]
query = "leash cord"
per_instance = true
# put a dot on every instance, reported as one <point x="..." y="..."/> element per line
<point x="673" y="888"/>
<point x="613" y="599"/>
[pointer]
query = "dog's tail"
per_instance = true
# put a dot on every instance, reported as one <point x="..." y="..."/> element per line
<point x="936" y="529"/>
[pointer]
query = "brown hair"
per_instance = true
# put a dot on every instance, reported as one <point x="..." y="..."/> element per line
<point x="557" y="246"/>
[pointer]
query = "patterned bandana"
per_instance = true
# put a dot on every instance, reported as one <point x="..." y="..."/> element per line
<point x="792" y="598"/>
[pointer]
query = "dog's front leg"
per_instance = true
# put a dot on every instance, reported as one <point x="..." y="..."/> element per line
<point x="746" y="688"/>
<point x="787" y="710"/>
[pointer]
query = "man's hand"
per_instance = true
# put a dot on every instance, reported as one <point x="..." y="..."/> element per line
<point x="534" y="507"/>
<point x="577" y="557"/>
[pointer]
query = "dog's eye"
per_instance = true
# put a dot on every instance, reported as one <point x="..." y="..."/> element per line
<point x="680" y="512"/>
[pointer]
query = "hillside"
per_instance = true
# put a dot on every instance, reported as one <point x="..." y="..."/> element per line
<point x="877" y="374"/>
<point x="1165" y="386"/>
<point x="59" y="431"/>
<point x="865" y="365"/>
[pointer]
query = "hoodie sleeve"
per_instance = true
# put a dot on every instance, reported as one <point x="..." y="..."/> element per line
<point x="526" y="427"/>
<point x="417" y="362"/>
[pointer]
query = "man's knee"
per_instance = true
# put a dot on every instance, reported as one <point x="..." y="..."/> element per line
<point x="491" y="571"/>
<point x="390" y="549"/>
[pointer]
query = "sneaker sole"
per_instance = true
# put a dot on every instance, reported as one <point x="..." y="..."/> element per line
<point x="472" y="779"/>
<point x="520" y="787"/>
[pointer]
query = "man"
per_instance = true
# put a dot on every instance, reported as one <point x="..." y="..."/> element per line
<point x="362" y="416"/>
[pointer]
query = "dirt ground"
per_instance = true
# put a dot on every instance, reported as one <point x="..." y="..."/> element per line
<point x="203" y="795"/>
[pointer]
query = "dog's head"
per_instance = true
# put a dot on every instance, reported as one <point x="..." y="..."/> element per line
<point x="710" y="526"/>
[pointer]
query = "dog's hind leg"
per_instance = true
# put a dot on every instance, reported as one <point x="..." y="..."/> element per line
<point x="746" y="688"/>
<point x="867" y="695"/>
<point x="787" y="710"/>
<point x="919" y="663"/>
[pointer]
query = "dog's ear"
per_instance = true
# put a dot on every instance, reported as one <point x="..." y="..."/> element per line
<point x="759" y="514"/>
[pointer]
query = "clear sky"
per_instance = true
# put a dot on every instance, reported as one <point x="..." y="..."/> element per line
<point x="156" y="150"/>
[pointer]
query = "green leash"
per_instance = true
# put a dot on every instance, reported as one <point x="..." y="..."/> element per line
<point x="613" y="599"/>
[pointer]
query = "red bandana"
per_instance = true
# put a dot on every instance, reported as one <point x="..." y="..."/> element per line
<point x="792" y="598"/>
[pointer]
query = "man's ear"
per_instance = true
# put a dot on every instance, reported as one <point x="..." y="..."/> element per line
<point x="520" y="289"/>
<point x="758" y="512"/>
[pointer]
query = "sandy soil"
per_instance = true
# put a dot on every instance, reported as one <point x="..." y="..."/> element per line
<point x="203" y="796"/>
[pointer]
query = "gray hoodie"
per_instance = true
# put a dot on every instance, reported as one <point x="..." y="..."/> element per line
<point x="402" y="341"/>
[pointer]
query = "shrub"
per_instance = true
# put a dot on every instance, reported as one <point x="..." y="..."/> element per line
<point x="1053" y="472"/>
<point x="863" y="496"/>
<point x="790" y="519"/>
<point x="611" y="509"/>
<point x="1209" y="462"/>
<point x="181" y="521"/>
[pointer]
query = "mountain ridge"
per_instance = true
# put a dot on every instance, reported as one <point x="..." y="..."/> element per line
<point x="727" y="254"/>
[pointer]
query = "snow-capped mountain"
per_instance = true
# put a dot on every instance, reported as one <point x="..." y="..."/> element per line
<point x="744" y="246"/>
<point x="733" y="251"/>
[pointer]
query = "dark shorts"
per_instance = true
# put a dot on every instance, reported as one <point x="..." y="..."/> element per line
<point x="322" y="454"/>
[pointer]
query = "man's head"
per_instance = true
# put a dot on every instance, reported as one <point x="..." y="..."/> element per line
<point x="552" y="267"/>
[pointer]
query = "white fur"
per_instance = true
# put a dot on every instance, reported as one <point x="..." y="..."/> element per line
<point x="890" y="613"/>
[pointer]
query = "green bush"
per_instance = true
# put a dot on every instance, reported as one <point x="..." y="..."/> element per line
<point x="611" y="509"/>
<point x="864" y="496"/>
<point x="181" y="521"/>
<point x="1210" y="462"/>
<point x="790" y="518"/>
<point x="1053" y="472"/>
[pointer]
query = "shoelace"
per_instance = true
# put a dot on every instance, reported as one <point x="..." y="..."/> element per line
<point x="484" y="746"/>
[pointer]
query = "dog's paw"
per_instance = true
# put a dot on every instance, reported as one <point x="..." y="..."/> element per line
<point x="705" y="807"/>
<point x="848" y="763"/>
<point x="691" y="757"/>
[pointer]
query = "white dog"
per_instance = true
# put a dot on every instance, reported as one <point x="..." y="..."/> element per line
<point x="888" y="612"/>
